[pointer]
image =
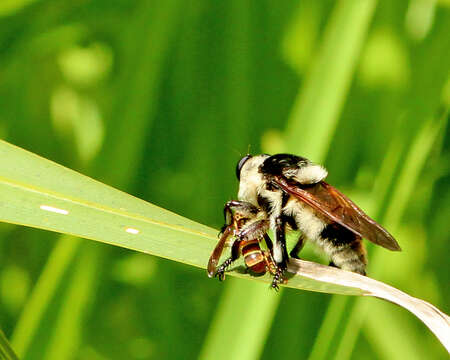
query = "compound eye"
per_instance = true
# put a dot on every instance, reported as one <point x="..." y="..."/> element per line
<point x="240" y="164"/>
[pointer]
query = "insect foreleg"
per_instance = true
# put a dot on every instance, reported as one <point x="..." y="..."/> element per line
<point x="234" y="256"/>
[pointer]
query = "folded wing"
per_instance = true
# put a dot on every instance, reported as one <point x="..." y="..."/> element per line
<point x="330" y="202"/>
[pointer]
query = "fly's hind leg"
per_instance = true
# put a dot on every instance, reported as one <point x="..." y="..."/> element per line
<point x="298" y="247"/>
<point x="278" y="270"/>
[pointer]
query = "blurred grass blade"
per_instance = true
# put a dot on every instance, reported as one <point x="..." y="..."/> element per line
<point x="328" y="327"/>
<point x="404" y="189"/>
<point x="70" y="321"/>
<point x="146" y="42"/>
<point x="6" y="352"/>
<point x="414" y="164"/>
<point x="61" y="255"/>
<point x="318" y="106"/>
<point x="255" y="317"/>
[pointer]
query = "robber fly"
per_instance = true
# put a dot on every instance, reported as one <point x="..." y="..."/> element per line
<point x="287" y="192"/>
<point x="247" y="230"/>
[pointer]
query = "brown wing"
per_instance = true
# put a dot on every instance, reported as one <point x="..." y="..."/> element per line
<point x="215" y="256"/>
<point x="330" y="202"/>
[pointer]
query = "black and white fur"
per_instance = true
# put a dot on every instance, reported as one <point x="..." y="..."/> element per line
<point x="285" y="212"/>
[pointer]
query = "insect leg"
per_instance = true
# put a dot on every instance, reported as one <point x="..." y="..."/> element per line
<point x="280" y="251"/>
<point x="269" y="243"/>
<point x="298" y="247"/>
<point x="271" y="264"/>
<point x="234" y="256"/>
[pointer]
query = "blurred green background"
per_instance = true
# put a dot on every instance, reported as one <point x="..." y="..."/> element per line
<point x="160" y="99"/>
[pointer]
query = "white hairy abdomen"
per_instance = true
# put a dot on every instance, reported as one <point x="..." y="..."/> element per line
<point x="309" y="222"/>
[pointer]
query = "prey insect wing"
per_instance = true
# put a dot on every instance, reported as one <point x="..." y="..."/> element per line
<point x="217" y="252"/>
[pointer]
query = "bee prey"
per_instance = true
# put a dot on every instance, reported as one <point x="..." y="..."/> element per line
<point x="287" y="192"/>
<point x="248" y="229"/>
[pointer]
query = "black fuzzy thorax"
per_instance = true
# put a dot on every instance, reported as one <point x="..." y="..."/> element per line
<point x="276" y="164"/>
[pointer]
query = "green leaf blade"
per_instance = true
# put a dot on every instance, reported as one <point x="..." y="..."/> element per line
<point x="81" y="206"/>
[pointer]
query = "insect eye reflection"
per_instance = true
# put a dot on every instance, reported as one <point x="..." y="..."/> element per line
<point x="240" y="164"/>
